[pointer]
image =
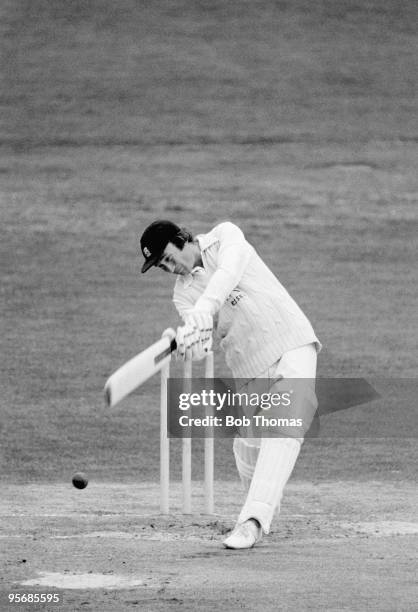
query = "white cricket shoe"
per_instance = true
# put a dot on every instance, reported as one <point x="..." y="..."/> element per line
<point x="245" y="535"/>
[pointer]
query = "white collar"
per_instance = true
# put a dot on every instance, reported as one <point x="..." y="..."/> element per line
<point x="188" y="279"/>
<point x="206" y="240"/>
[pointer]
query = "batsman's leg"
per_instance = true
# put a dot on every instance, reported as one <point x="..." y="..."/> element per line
<point x="275" y="464"/>
<point x="277" y="456"/>
<point x="246" y="454"/>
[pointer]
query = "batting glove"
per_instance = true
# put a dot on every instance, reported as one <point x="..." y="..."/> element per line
<point x="203" y="320"/>
<point x="187" y="338"/>
<point x="200" y="350"/>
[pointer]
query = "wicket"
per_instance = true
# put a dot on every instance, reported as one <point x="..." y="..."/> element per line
<point x="186" y="449"/>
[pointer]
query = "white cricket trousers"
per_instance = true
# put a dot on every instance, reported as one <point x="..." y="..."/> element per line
<point x="265" y="464"/>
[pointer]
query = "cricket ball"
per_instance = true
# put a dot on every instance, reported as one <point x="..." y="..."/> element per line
<point x="80" y="480"/>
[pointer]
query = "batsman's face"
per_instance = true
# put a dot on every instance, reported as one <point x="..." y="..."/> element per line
<point x="178" y="261"/>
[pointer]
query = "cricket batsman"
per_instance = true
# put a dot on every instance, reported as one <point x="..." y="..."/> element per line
<point x="263" y="333"/>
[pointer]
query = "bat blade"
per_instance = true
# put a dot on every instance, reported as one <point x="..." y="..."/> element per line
<point x="138" y="369"/>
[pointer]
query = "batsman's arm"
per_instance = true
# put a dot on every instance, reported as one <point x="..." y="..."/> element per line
<point x="138" y="369"/>
<point x="233" y="255"/>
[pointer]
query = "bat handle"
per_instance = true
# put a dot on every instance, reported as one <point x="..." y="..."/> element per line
<point x="170" y="333"/>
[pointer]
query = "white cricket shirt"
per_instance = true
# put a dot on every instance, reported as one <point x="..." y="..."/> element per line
<point x="258" y="320"/>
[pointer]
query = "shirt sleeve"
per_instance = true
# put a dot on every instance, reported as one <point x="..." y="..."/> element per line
<point x="182" y="302"/>
<point x="233" y="255"/>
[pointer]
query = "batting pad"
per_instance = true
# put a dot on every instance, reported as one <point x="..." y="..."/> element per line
<point x="246" y="456"/>
<point x="275" y="463"/>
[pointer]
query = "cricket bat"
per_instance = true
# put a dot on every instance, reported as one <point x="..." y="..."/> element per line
<point x="138" y="369"/>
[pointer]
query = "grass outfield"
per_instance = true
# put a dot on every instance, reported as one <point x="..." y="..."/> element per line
<point x="295" y="121"/>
